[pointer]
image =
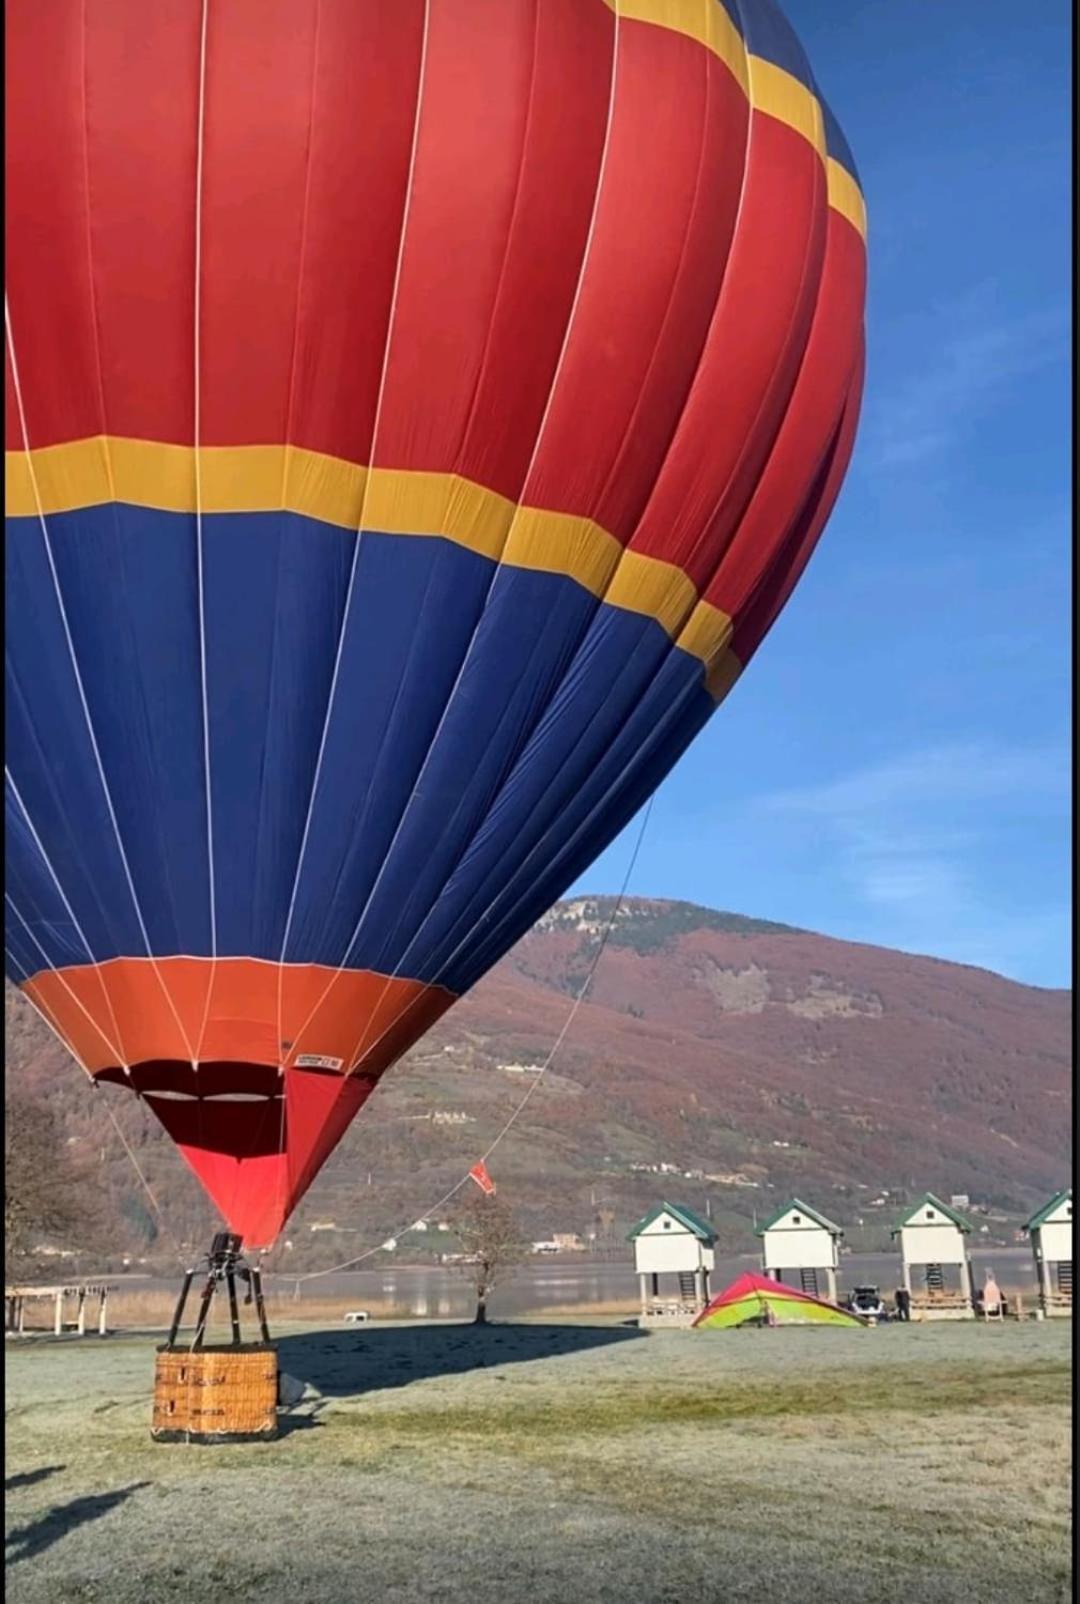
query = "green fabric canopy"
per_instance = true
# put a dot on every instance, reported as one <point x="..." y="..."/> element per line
<point x="757" y="1299"/>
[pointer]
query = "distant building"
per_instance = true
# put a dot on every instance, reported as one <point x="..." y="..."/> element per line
<point x="959" y="1200"/>
<point x="933" y="1241"/>
<point x="567" y="1241"/>
<point x="802" y="1242"/>
<point x="1050" y="1231"/>
<point x="673" y="1243"/>
<point x="323" y="1225"/>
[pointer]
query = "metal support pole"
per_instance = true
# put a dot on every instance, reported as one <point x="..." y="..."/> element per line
<point x="81" y="1317"/>
<point x="178" y="1313"/>
<point x="260" y="1306"/>
<point x="58" y="1317"/>
<point x="204" y="1311"/>
<point x="102" y="1303"/>
<point x="965" y="1283"/>
<point x="234" y="1312"/>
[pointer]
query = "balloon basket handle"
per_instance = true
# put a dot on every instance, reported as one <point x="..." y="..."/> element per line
<point x="225" y="1392"/>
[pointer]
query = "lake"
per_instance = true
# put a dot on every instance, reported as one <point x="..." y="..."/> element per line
<point x="566" y="1281"/>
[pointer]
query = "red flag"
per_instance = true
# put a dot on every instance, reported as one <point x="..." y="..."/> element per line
<point x="479" y="1174"/>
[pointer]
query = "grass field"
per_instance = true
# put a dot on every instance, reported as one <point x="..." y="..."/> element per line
<point x="570" y="1460"/>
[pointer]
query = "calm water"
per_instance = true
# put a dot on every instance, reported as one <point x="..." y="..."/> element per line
<point x="439" y="1294"/>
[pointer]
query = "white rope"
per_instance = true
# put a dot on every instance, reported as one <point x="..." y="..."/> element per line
<point x="541" y="1072"/>
<point x="83" y="702"/>
<point x="52" y="1025"/>
<point x="199" y="561"/>
<point x="17" y="794"/>
<point x="346" y="610"/>
<point x="149" y="1190"/>
<point x="120" y="1058"/>
<point x="467" y="657"/>
<point x="44" y="1013"/>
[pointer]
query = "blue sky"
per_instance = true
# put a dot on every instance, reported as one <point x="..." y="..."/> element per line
<point x="894" y="767"/>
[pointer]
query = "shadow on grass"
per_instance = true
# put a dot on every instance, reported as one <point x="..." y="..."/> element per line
<point x="26" y="1542"/>
<point x="343" y="1364"/>
<point x="29" y="1478"/>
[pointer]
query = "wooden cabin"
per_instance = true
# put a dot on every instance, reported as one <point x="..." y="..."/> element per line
<point x="802" y="1247"/>
<point x="673" y="1257"/>
<point x="1050" y="1232"/>
<point x="935" y="1268"/>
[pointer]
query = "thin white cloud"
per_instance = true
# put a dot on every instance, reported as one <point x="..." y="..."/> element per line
<point x="958" y="772"/>
<point x="911" y="840"/>
<point x="974" y="366"/>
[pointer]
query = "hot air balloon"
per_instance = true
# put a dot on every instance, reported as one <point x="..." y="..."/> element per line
<point x="417" y="415"/>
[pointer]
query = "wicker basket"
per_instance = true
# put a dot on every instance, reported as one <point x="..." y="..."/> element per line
<point x="215" y="1394"/>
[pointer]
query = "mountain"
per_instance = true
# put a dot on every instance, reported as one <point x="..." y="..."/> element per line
<point x="764" y="1060"/>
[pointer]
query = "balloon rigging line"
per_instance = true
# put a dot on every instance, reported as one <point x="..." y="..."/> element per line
<point x="149" y="1190"/>
<point x="199" y="555"/>
<point x="350" y="590"/>
<point x="69" y="910"/>
<point x="121" y="1058"/>
<point x="39" y="1008"/>
<point x="552" y="388"/>
<point x="371" y="1047"/>
<point x="545" y="1066"/>
<point x="73" y="658"/>
<point x="281" y="1198"/>
<point x="42" y="1014"/>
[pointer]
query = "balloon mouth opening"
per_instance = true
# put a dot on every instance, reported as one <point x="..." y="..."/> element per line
<point x="236" y="1109"/>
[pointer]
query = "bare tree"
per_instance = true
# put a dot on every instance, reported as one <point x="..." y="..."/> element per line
<point x="490" y="1235"/>
<point x="49" y="1198"/>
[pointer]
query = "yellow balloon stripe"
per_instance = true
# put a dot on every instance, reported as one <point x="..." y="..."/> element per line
<point x="147" y="473"/>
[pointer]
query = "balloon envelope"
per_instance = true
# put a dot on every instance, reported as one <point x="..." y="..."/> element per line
<point x="417" y="416"/>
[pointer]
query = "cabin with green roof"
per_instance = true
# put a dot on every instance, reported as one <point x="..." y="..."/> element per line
<point x="1050" y="1231"/>
<point x="673" y="1257"/>
<point x="934" y="1264"/>
<point x="803" y="1245"/>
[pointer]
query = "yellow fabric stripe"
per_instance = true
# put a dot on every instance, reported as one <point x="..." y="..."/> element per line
<point x="702" y="20"/>
<point x="845" y="196"/>
<point x="706" y="632"/>
<point x="722" y="675"/>
<point x="777" y="93"/>
<point x="146" y="473"/>
<point x="562" y="543"/>
<point x="768" y="87"/>
<point x="404" y="503"/>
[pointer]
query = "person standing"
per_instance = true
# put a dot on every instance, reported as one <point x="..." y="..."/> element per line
<point x="991" y="1298"/>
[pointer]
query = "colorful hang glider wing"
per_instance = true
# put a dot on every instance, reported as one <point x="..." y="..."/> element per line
<point x="756" y="1298"/>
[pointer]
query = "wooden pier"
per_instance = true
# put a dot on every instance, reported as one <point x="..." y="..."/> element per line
<point x="78" y="1293"/>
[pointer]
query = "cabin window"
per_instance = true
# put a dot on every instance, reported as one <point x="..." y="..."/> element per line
<point x="929" y="1214"/>
<point x="796" y="1219"/>
<point x="667" y="1225"/>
